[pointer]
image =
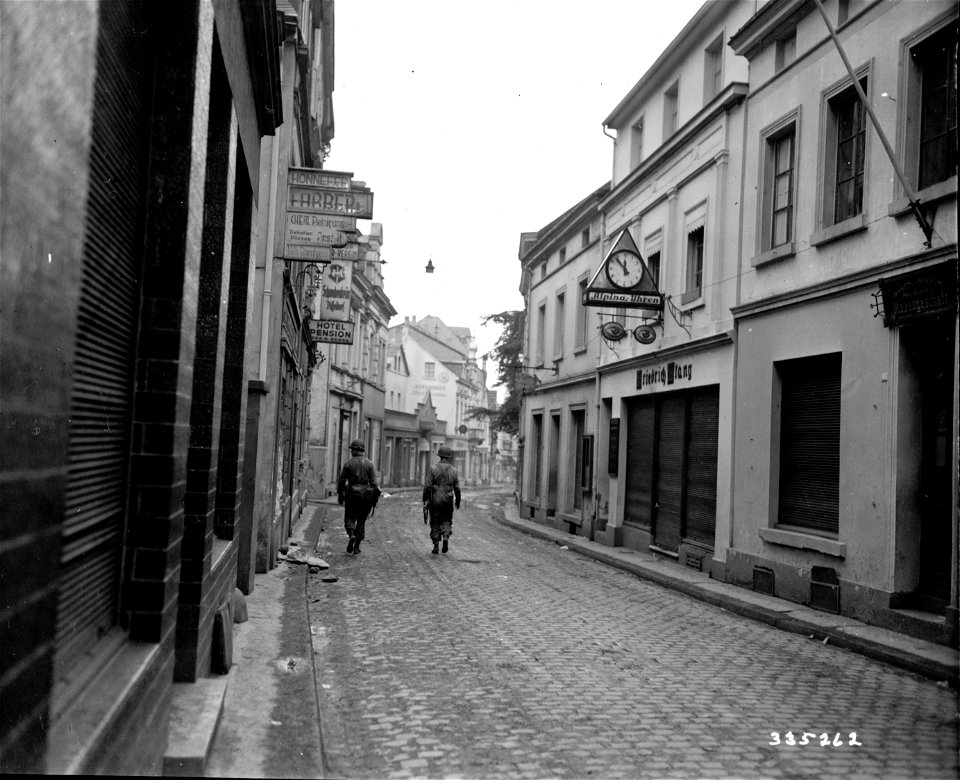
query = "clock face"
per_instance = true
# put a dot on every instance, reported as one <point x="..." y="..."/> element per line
<point x="624" y="269"/>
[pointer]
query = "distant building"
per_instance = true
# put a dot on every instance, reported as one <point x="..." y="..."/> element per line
<point x="433" y="384"/>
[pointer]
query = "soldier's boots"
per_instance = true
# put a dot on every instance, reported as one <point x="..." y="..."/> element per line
<point x="436" y="548"/>
<point x="350" y="545"/>
<point x="445" y="546"/>
<point x="356" y="547"/>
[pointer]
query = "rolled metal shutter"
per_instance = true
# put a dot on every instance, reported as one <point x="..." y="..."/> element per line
<point x="701" y="487"/>
<point x="669" y="482"/>
<point x="810" y="443"/>
<point x="108" y="313"/>
<point x="641" y="449"/>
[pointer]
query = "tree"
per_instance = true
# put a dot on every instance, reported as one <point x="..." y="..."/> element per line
<point x="508" y="354"/>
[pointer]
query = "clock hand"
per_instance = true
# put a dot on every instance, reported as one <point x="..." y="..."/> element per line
<point x="623" y="265"/>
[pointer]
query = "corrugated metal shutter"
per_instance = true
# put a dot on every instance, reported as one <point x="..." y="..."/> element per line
<point x="810" y="443"/>
<point x="669" y="483"/>
<point x="701" y="491"/>
<point x="102" y="390"/>
<point x="641" y="449"/>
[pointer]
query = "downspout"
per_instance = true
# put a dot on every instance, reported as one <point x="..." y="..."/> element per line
<point x="268" y="262"/>
<point x="736" y="336"/>
<point x="596" y="382"/>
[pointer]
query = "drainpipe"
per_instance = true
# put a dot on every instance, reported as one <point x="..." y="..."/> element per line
<point x="596" y="382"/>
<point x="268" y="262"/>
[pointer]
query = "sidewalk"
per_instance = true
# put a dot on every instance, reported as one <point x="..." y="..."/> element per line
<point x="937" y="662"/>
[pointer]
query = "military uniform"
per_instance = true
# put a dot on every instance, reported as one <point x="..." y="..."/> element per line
<point x="358" y="490"/>
<point x="441" y="494"/>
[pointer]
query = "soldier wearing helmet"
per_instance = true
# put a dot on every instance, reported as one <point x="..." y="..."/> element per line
<point x="358" y="490"/>
<point x="441" y="494"/>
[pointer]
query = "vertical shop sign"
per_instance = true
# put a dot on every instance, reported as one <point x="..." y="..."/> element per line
<point x="335" y="298"/>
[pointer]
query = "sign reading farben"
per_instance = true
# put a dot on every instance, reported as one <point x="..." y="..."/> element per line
<point x="318" y="200"/>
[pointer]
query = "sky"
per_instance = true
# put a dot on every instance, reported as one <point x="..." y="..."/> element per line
<point x="475" y="122"/>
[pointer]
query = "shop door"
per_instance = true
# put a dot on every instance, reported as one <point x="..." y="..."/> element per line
<point x="932" y="346"/>
<point x="668" y="509"/>
<point x="553" y="467"/>
<point x="641" y="454"/>
<point x="701" y="481"/>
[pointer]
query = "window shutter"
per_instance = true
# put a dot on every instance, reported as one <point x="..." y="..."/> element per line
<point x="102" y="389"/>
<point x="810" y="443"/>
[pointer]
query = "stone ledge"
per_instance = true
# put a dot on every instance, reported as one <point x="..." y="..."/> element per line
<point x="194" y="716"/>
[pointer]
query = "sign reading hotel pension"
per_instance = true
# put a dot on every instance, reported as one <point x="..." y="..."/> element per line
<point x="331" y="331"/>
<point x="316" y="230"/>
<point x="321" y="200"/>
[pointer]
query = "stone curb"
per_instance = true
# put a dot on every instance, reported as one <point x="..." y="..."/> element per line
<point x="929" y="659"/>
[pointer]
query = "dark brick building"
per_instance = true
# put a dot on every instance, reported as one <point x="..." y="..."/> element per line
<point x="130" y="165"/>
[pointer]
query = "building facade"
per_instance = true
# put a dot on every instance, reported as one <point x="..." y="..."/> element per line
<point x="791" y="423"/>
<point x="561" y="349"/>
<point x="433" y="385"/>
<point x="349" y="393"/>
<point x="131" y="167"/>
<point x="846" y="414"/>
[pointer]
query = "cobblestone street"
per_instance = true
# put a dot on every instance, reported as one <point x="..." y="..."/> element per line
<point x="512" y="657"/>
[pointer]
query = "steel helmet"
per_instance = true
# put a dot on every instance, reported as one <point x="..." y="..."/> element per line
<point x="445" y="451"/>
<point x="357" y="444"/>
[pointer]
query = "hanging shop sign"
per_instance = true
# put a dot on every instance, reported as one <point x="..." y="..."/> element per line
<point x="920" y="294"/>
<point x="623" y="279"/>
<point x="315" y="191"/>
<point x="332" y="331"/>
<point x="316" y="231"/>
<point x="321" y="254"/>
<point x="335" y="292"/>
<point x="613" y="331"/>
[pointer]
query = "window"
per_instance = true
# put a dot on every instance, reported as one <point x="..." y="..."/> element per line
<point x="851" y="136"/>
<point x="694" y="264"/>
<point x="809" y="489"/>
<point x="541" y="332"/>
<point x="581" y="335"/>
<point x="843" y="11"/>
<point x="713" y="70"/>
<point x="585" y="237"/>
<point x="563" y="255"/>
<point x="936" y="59"/>
<point x="429" y="370"/>
<point x="844" y="155"/>
<point x="558" y="324"/>
<point x="786" y="51"/>
<point x="653" y="246"/>
<point x="670" y="110"/>
<point x="543" y="270"/>
<point x="778" y="194"/>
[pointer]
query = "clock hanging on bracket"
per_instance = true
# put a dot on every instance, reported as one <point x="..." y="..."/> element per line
<point x="624" y="269"/>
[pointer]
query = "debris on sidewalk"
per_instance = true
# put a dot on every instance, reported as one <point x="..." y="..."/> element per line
<point x="300" y="555"/>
